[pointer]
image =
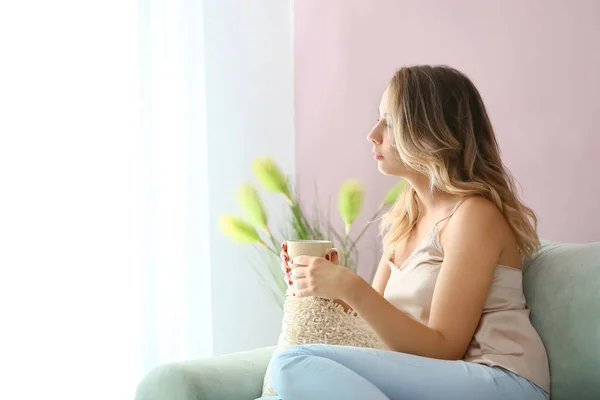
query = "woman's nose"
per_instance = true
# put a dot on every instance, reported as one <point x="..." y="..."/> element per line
<point x="374" y="136"/>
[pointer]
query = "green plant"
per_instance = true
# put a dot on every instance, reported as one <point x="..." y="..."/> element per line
<point x="272" y="179"/>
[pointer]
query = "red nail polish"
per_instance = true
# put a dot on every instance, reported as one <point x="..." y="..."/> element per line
<point x="286" y="258"/>
<point x="327" y="257"/>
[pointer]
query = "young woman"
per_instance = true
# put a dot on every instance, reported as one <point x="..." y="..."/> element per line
<point x="447" y="298"/>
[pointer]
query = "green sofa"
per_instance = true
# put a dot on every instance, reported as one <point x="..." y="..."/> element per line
<point x="562" y="287"/>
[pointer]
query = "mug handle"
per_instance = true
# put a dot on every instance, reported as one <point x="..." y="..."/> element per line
<point x="339" y="255"/>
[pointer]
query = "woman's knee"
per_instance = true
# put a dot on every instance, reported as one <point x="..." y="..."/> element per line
<point x="286" y="366"/>
<point x="284" y="360"/>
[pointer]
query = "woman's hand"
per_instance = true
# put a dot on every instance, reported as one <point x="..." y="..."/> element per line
<point x="317" y="276"/>
<point x="285" y="259"/>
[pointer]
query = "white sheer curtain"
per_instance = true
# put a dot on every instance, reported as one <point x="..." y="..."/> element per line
<point x="176" y="289"/>
<point x="103" y="240"/>
<point x="110" y="261"/>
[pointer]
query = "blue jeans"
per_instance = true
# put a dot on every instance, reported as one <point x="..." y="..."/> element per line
<point x="319" y="371"/>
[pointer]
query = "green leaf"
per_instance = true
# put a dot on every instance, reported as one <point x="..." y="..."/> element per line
<point x="350" y="201"/>
<point x="392" y="194"/>
<point x="250" y="203"/>
<point x="270" y="176"/>
<point x="239" y="230"/>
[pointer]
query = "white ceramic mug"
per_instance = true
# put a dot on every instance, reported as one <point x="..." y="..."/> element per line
<point x="314" y="248"/>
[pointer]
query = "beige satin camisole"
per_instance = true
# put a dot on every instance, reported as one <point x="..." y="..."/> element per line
<point x="504" y="337"/>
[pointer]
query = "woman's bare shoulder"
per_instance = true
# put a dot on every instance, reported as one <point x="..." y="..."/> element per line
<point x="479" y="216"/>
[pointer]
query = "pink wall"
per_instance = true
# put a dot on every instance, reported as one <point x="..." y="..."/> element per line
<point x="536" y="64"/>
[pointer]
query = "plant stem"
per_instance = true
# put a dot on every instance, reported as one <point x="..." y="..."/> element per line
<point x="278" y="280"/>
<point x="275" y="295"/>
<point x="346" y="244"/>
<point x="335" y="233"/>
<point x="271" y="237"/>
<point x="300" y="225"/>
<point x="266" y="246"/>
<point x="363" y="230"/>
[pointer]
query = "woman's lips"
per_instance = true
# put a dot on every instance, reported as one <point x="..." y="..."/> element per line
<point x="377" y="156"/>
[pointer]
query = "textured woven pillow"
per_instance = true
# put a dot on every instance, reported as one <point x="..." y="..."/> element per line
<point x="310" y="320"/>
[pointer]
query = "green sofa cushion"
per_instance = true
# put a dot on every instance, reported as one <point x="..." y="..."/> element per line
<point x="237" y="376"/>
<point x="562" y="287"/>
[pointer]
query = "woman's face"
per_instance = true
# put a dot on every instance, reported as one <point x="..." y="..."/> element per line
<point x="386" y="155"/>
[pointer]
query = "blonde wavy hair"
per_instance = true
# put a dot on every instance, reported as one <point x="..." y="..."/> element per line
<point x="441" y="128"/>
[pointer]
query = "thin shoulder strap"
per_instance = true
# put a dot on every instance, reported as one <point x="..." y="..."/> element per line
<point x="453" y="210"/>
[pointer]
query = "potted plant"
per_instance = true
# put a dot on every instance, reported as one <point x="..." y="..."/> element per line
<point x="254" y="228"/>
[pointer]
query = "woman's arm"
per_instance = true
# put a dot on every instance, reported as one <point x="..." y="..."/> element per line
<point x="382" y="275"/>
<point x="471" y="251"/>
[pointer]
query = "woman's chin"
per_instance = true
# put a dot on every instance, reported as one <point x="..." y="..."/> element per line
<point x="385" y="170"/>
<point x="381" y="167"/>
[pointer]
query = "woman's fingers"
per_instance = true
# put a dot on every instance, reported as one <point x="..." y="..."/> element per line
<point x="334" y="257"/>
<point x="300" y="283"/>
<point x="285" y="268"/>
<point x="284" y="255"/>
<point x="299" y="273"/>
<point x="286" y="271"/>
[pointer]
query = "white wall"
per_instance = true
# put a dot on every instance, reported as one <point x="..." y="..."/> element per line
<point x="249" y="106"/>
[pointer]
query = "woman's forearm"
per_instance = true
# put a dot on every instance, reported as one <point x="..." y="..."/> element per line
<point x="396" y="329"/>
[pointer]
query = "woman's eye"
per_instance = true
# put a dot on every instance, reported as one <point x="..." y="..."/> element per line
<point x="387" y="124"/>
